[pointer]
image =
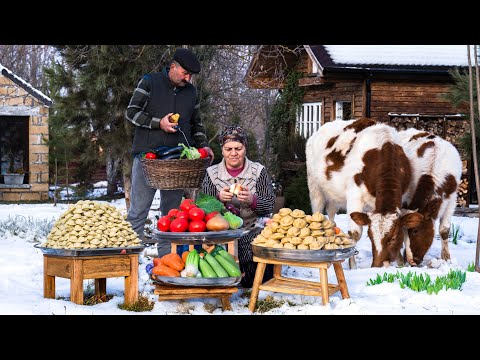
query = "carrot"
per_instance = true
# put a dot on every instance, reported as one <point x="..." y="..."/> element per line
<point x="184" y="256"/>
<point x="164" y="270"/>
<point x="337" y="230"/>
<point x="173" y="261"/>
<point x="157" y="261"/>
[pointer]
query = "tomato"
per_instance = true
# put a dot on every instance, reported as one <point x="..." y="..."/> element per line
<point x="196" y="214"/>
<point x="179" y="225"/>
<point x="203" y="153"/>
<point x="210" y="215"/>
<point x="197" y="226"/>
<point x="187" y="204"/>
<point x="150" y="155"/>
<point x="163" y="224"/>
<point x="182" y="215"/>
<point x="173" y="213"/>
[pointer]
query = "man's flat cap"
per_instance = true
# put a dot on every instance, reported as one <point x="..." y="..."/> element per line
<point x="188" y="60"/>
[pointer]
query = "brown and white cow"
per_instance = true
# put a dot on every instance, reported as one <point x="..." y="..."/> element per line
<point x="359" y="166"/>
<point x="437" y="169"/>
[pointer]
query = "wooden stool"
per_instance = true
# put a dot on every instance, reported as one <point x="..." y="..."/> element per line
<point x="99" y="268"/>
<point x="294" y="286"/>
<point x="177" y="292"/>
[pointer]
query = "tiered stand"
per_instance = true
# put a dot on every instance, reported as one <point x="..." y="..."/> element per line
<point x="175" y="288"/>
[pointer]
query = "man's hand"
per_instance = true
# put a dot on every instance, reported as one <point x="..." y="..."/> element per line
<point x="210" y="154"/>
<point x="166" y="125"/>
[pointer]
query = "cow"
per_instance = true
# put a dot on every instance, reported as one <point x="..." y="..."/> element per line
<point x="437" y="169"/>
<point x="358" y="166"/>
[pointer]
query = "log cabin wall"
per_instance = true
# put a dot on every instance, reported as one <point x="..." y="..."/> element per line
<point x="408" y="97"/>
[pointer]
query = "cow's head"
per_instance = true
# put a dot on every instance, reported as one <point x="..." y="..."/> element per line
<point x="386" y="232"/>
<point x="421" y="236"/>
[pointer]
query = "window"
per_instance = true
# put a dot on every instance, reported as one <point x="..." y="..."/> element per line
<point x="343" y="110"/>
<point x="13" y="144"/>
<point x="309" y="119"/>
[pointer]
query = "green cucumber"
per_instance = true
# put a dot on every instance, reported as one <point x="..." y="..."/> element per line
<point x="219" y="250"/>
<point x="206" y="269"/>
<point x="219" y="270"/>
<point x="231" y="269"/>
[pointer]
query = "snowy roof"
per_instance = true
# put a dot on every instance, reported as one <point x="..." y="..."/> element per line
<point x="392" y="56"/>
<point x="25" y="85"/>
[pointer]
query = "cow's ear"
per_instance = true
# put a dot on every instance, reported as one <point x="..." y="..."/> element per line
<point x="411" y="220"/>
<point x="360" y="218"/>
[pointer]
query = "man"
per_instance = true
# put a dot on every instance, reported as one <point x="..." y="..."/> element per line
<point x="158" y="96"/>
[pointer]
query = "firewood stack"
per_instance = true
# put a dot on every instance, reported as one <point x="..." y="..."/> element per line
<point x="462" y="192"/>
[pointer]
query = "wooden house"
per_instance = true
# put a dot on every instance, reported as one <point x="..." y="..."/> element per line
<point x="24" y="133"/>
<point x="403" y="85"/>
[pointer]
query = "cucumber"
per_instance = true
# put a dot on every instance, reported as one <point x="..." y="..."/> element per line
<point x="206" y="269"/>
<point x="219" y="270"/>
<point x="218" y="250"/>
<point x="231" y="269"/>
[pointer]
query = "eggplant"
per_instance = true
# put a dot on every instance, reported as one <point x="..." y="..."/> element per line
<point x="170" y="156"/>
<point x="170" y="150"/>
<point x="233" y="209"/>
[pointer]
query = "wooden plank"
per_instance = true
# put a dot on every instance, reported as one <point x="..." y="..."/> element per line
<point x="48" y="280"/>
<point x="322" y="265"/>
<point x="76" y="282"/>
<point x="59" y="266"/>
<point x="107" y="266"/>
<point x="190" y="290"/>
<point x="277" y="285"/>
<point x="101" y="289"/>
<point x="131" y="281"/>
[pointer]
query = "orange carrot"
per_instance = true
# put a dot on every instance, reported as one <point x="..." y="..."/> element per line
<point x="164" y="270"/>
<point x="184" y="256"/>
<point x="337" y="230"/>
<point x="173" y="261"/>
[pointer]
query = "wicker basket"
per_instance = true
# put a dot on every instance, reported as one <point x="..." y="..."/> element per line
<point x="174" y="174"/>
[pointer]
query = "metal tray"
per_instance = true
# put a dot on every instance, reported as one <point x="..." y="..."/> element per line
<point x="196" y="238"/>
<point x="91" y="252"/>
<point x="303" y="255"/>
<point x="187" y="281"/>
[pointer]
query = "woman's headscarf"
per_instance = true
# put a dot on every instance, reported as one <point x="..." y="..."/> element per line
<point x="233" y="133"/>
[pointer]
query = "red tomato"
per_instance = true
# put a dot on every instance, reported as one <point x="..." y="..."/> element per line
<point x="179" y="225"/>
<point x="210" y="215"/>
<point x="163" y="224"/>
<point x="150" y="155"/>
<point x="203" y="153"/>
<point x="182" y="215"/>
<point x="173" y="213"/>
<point x="187" y="204"/>
<point x="196" y="213"/>
<point x="197" y="226"/>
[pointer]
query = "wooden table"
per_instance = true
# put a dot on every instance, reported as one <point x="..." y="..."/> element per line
<point x="99" y="268"/>
<point x="177" y="292"/>
<point x="287" y="285"/>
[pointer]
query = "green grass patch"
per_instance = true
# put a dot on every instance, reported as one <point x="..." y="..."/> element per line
<point x="453" y="280"/>
<point x="454" y="233"/>
<point x="471" y="267"/>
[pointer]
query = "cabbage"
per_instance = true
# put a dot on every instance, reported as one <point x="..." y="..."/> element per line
<point x="234" y="220"/>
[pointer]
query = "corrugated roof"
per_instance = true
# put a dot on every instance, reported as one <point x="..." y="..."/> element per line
<point x="25" y="85"/>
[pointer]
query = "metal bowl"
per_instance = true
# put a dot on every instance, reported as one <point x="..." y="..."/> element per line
<point x="187" y="281"/>
<point x="91" y="252"/>
<point x="197" y="238"/>
<point x="303" y="255"/>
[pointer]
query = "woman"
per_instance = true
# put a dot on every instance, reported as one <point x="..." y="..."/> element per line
<point x="255" y="199"/>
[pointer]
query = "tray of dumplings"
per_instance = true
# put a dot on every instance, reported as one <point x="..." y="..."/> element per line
<point x="295" y="236"/>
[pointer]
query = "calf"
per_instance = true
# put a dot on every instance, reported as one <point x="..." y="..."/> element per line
<point x="358" y="166"/>
<point x="437" y="169"/>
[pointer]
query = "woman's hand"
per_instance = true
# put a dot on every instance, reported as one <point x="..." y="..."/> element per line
<point x="225" y="195"/>
<point x="245" y="196"/>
